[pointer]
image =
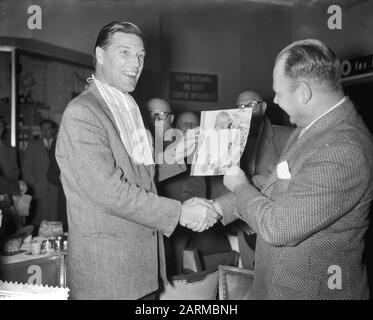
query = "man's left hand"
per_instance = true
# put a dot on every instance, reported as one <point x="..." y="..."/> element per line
<point x="235" y="177"/>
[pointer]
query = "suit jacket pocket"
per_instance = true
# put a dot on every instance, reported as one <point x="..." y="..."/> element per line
<point x="288" y="284"/>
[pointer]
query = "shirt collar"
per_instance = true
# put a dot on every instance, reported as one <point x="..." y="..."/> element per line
<point x="324" y="114"/>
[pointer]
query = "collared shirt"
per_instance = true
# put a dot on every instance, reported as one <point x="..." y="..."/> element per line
<point x="324" y="114"/>
<point x="48" y="143"/>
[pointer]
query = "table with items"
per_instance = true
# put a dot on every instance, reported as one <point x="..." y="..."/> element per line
<point x="39" y="261"/>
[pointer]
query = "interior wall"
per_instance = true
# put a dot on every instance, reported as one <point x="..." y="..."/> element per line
<point x="259" y="49"/>
<point x="75" y="24"/>
<point x="261" y="45"/>
<point x="354" y="39"/>
<point x="205" y="52"/>
<point x="242" y="56"/>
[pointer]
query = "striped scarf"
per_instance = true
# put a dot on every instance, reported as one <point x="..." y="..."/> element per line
<point x="128" y="119"/>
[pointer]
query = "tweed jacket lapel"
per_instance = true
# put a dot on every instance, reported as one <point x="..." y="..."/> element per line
<point x="289" y="147"/>
<point x="93" y="89"/>
<point x="298" y="146"/>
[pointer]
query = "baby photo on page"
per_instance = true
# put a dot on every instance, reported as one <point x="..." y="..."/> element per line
<point x="223" y="135"/>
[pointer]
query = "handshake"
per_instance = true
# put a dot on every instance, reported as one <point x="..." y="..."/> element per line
<point x="199" y="214"/>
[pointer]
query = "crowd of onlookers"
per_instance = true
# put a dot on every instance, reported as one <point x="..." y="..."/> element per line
<point x="37" y="175"/>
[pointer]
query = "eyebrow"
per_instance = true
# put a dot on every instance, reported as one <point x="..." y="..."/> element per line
<point x="129" y="47"/>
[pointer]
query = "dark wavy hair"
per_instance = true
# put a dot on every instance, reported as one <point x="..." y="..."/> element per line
<point x="105" y="34"/>
<point x="311" y="60"/>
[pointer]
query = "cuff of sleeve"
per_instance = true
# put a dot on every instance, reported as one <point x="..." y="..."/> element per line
<point x="243" y="194"/>
<point x="174" y="220"/>
<point x="227" y="203"/>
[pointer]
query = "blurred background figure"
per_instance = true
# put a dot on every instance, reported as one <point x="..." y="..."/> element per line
<point x="160" y="114"/>
<point x="8" y="156"/>
<point x="35" y="165"/>
<point x="187" y="120"/>
<point x="54" y="177"/>
<point x="11" y="222"/>
<point x="160" y="119"/>
<point x="10" y="186"/>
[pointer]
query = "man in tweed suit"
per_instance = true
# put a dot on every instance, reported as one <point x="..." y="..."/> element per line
<point x="116" y="219"/>
<point x="311" y="213"/>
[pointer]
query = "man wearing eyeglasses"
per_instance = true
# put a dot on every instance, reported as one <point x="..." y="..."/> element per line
<point x="159" y="112"/>
<point x="266" y="141"/>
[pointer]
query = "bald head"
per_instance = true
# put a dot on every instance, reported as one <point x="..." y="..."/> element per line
<point x="159" y="111"/>
<point x="246" y="97"/>
<point x="158" y="105"/>
<point x="187" y="120"/>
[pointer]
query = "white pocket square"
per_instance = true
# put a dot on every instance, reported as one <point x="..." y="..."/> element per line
<point x="283" y="170"/>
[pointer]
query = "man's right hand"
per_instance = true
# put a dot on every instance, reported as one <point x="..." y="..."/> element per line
<point x="198" y="214"/>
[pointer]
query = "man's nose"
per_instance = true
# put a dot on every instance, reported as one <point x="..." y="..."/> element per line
<point x="135" y="60"/>
<point x="131" y="60"/>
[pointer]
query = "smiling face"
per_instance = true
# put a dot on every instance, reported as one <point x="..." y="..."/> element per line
<point x="120" y="63"/>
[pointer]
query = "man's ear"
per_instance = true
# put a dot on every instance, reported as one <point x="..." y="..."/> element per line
<point x="304" y="92"/>
<point x="172" y="118"/>
<point x="99" y="55"/>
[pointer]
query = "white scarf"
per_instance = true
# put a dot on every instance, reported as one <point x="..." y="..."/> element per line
<point x="128" y="119"/>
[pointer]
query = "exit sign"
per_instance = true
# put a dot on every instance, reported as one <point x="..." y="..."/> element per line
<point x="193" y="86"/>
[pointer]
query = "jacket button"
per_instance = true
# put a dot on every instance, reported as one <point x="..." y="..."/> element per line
<point x="153" y="233"/>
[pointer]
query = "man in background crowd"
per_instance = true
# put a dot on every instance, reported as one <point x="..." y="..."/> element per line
<point x="11" y="222"/>
<point x="8" y="156"/>
<point x="54" y="177"/>
<point x="10" y="185"/>
<point x="35" y="166"/>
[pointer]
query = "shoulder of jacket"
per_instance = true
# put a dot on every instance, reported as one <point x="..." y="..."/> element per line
<point x="86" y="103"/>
